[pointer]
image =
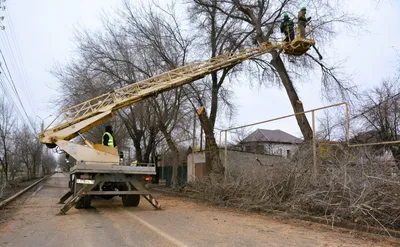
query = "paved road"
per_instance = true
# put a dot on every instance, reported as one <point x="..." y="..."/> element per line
<point x="32" y="221"/>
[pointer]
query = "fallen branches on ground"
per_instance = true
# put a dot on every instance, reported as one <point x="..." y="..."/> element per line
<point x="354" y="186"/>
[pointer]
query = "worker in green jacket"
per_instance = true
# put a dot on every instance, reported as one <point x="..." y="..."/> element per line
<point x="107" y="138"/>
<point x="287" y="27"/>
<point x="303" y="22"/>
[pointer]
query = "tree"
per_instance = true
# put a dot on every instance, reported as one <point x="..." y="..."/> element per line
<point x="262" y="18"/>
<point x="139" y="43"/>
<point x="218" y="34"/>
<point x="28" y="150"/>
<point x="159" y="36"/>
<point x="48" y="162"/>
<point x="332" y="125"/>
<point x="380" y="112"/>
<point x="7" y="123"/>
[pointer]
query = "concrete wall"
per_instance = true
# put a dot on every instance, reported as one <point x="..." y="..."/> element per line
<point x="236" y="161"/>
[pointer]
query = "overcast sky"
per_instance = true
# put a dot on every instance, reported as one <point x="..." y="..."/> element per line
<point x="44" y="32"/>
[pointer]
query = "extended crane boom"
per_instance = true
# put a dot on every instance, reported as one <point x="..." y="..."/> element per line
<point x="78" y="119"/>
<point x="97" y="171"/>
<point x="84" y="116"/>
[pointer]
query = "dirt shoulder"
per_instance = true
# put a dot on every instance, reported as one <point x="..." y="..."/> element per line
<point x="14" y="187"/>
<point x="288" y="224"/>
<point x="182" y="222"/>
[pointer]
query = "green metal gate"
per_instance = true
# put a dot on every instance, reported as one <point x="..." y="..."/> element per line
<point x="182" y="174"/>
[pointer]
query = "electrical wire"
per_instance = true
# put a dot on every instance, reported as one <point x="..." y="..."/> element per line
<point x="16" y="91"/>
<point x="17" y="61"/>
<point x="20" y="61"/>
<point x="9" y="97"/>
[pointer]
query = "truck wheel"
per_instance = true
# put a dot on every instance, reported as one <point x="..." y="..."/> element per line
<point x="84" y="202"/>
<point x="130" y="200"/>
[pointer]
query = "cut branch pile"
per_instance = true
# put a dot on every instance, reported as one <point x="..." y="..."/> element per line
<point x="352" y="186"/>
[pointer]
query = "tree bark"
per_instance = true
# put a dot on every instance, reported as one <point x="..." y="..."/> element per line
<point x="175" y="155"/>
<point x="217" y="170"/>
<point x="149" y="146"/>
<point x="138" y="149"/>
<point x="5" y="167"/>
<point x="297" y="105"/>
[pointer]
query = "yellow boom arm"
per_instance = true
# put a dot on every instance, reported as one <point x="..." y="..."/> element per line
<point x="84" y="116"/>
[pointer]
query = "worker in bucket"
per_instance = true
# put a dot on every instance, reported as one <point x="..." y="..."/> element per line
<point x="108" y="138"/>
<point x="287" y="27"/>
<point x="303" y="22"/>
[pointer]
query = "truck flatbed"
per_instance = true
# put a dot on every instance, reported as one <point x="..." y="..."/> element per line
<point x="114" y="169"/>
<point x="107" y="180"/>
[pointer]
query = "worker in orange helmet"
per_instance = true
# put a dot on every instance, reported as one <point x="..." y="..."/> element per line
<point x="303" y="22"/>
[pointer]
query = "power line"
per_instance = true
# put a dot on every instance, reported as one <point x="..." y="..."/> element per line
<point x="15" y="90"/>
<point x="10" y="82"/>
<point x="20" y="61"/>
<point x="16" y="61"/>
<point x="9" y="78"/>
<point x="9" y="97"/>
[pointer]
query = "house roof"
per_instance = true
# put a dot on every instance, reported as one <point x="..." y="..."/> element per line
<point x="263" y="135"/>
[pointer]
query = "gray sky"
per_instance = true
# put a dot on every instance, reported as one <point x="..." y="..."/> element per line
<point x="44" y="31"/>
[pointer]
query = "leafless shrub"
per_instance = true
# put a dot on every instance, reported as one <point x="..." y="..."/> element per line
<point x="356" y="185"/>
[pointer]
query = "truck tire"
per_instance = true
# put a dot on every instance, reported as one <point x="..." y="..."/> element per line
<point x="84" y="202"/>
<point x="130" y="200"/>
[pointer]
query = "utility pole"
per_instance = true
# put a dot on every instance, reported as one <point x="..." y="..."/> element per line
<point x="194" y="145"/>
<point x="41" y="171"/>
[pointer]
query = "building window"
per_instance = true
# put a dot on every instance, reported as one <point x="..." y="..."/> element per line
<point x="288" y="153"/>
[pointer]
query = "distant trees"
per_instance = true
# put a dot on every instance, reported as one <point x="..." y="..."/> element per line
<point x="20" y="148"/>
<point x="379" y="113"/>
<point x="260" y="20"/>
<point x="7" y="121"/>
<point x="135" y="43"/>
<point x="140" y="41"/>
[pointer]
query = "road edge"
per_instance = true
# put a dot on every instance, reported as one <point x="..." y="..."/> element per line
<point x="11" y="198"/>
<point x="307" y="218"/>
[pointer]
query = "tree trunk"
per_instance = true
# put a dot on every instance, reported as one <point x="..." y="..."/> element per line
<point x="4" y="165"/>
<point x="278" y="64"/>
<point x="175" y="155"/>
<point x="28" y="173"/>
<point x="297" y="105"/>
<point x="150" y="145"/>
<point x="33" y="171"/>
<point x="217" y="170"/>
<point x="138" y="149"/>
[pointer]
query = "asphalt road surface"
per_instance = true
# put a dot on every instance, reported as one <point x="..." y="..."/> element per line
<point x="32" y="221"/>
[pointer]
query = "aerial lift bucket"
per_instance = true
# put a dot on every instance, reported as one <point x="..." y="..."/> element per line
<point x="299" y="46"/>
